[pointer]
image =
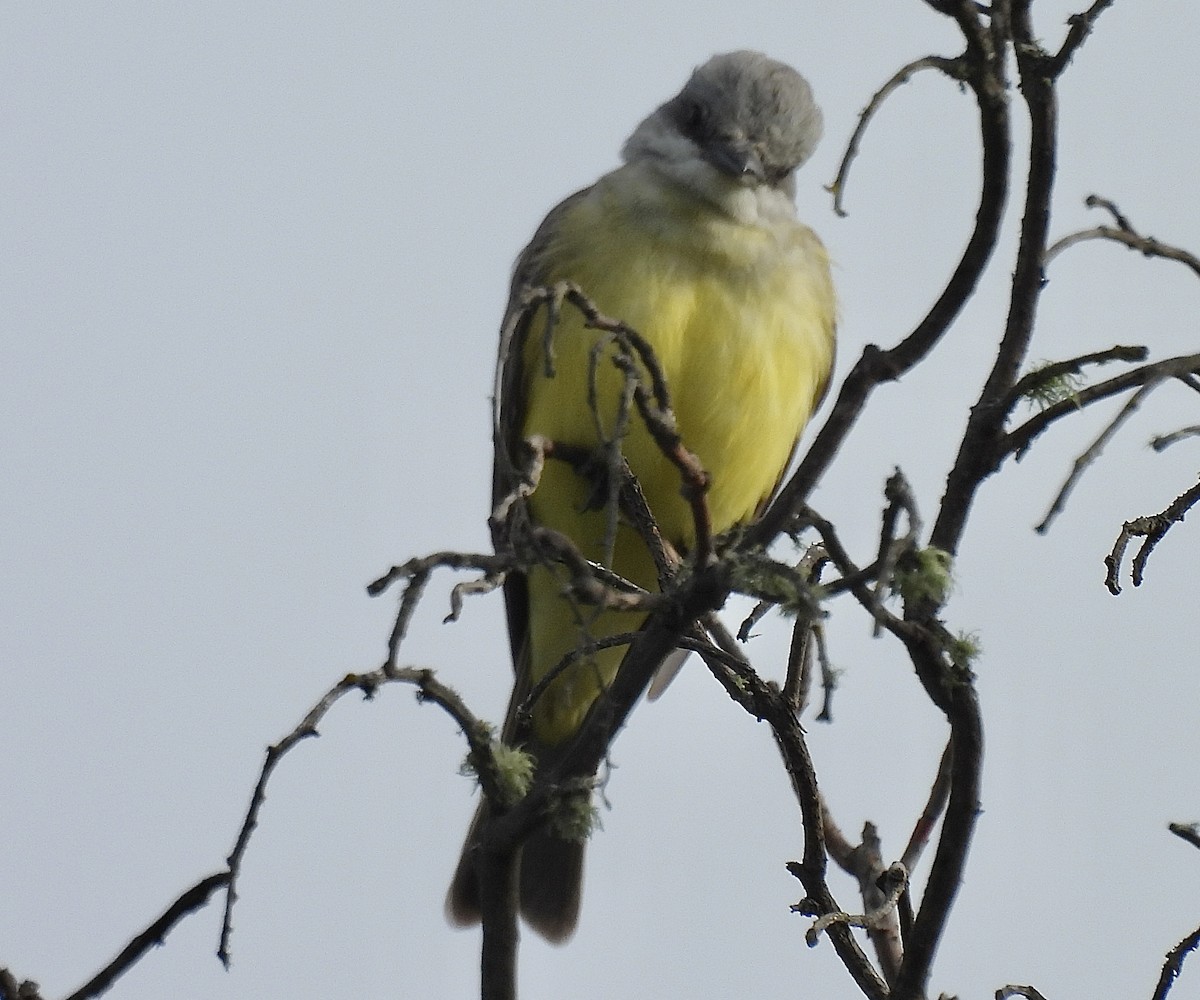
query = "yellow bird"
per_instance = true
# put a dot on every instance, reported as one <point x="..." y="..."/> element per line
<point x="694" y="243"/>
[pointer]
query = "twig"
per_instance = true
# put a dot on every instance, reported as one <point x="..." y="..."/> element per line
<point x="582" y="651"/>
<point x="1093" y="452"/>
<point x="853" y="579"/>
<point x="864" y="862"/>
<point x="1186" y="831"/>
<point x="899" y="496"/>
<point x="829" y="675"/>
<point x="191" y="900"/>
<point x="934" y="805"/>
<point x="1125" y="234"/>
<point x="418" y="571"/>
<point x="1019" y="440"/>
<point x="1164" y="441"/>
<point x="766" y="703"/>
<point x="654" y="406"/>
<point x="1079" y="27"/>
<point x="951" y="67"/>
<point x="1007" y="992"/>
<point x="1173" y="966"/>
<point x="1153" y="529"/>
<point x="896" y="883"/>
<point x="1028" y="385"/>
<point x="478" y="736"/>
<point x="985" y="74"/>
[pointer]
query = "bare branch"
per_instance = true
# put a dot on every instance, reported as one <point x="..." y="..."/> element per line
<point x="974" y="463"/>
<point x="1093" y="451"/>
<point x="953" y="68"/>
<point x="1173" y="966"/>
<point x="985" y="74"/>
<point x="1186" y="831"/>
<point x="191" y="900"/>
<point x="900" y="498"/>
<point x="767" y="703"/>
<point x="1164" y="441"/>
<point x="864" y="862"/>
<point x="654" y="405"/>
<point x="477" y="732"/>
<point x="873" y="920"/>
<point x="936" y="803"/>
<point x="853" y="579"/>
<point x="1017" y="441"/>
<point x="1153" y="529"/>
<point x="1030" y="384"/>
<point x="1125" y="234"/>
<point x="1079" y="27"/>
<point x="1007" y="992"/>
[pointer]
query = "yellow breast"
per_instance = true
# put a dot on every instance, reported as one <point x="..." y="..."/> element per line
<point x="741" y="317"/>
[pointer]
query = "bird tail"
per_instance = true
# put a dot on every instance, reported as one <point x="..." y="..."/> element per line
<point x="551" y="882"/>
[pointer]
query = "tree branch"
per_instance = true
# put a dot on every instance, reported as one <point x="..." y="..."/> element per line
<point x="191" y="900"/>
<point x="953" y="68"/>
<point x="1173" y="966"/>
<point x="1153" y="529"/>
<point x="477" y="732"/>
<point x="986" y="76"/>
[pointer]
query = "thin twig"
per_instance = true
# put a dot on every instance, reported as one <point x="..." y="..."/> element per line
<point x="899" y="498"/>
<point x="951" y="67"/>
<point x="1125" y="234"/>
<point x="1079" y="27"/>
<point x="1164" y="441"/>
<point x="1028" y="385"/>
<point x="478" y="736"/>
<point x="864" y="862"/>
<point x="1092" y="453"/>
<point x="1018" y="441"/>
<point x="934" y="806"/>
<point x="1173" y="966"/>
<point x="985" y="75"/>
<point x="654" y="406"/>
<point x="1007" y="992"/>
<point x="1186" y="831"/>
<point x="191" y="900"/>
<point x="1153" y="529"/>
<point x="875" y="919"/>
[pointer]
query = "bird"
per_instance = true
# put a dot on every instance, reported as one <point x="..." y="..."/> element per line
<point x="694" y="242"/>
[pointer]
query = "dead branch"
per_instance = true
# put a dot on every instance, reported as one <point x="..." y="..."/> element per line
<point x="985" y="74"/>
<point x="191" y="900"/>
<point x="1033" y="384"/>
<point x="1186" y="831"/>
<point x="1092" y="453"/>
<point x="936" y="803"/>
<point x="1164" y="441"/>
<point x="953" y="68"/>
<point x="1173" y="965"/>
<point x="1018" y="441"/>
<point x="1125" y="234"/>
<point x="429" y="688"/>
<point x="1079" y="27"/>
<point x="1153" y="529"/>
<point x="1007" y="992"/>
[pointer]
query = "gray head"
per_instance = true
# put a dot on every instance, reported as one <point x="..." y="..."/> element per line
<point x="748" y="119"/>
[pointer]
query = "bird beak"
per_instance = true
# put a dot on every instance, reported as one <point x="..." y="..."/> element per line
<point x="737" y="158"/>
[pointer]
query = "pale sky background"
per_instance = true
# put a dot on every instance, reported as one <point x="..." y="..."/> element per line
<point x="252" y="261"/>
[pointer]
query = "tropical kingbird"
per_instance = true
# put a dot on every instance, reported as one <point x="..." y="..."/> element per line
<point x="694" y="243"/>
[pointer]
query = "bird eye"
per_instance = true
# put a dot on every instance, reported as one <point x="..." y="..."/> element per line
<point x="694" y="116"/>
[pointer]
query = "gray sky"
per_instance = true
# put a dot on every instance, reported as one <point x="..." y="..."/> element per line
<point x="252" y="265"/>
